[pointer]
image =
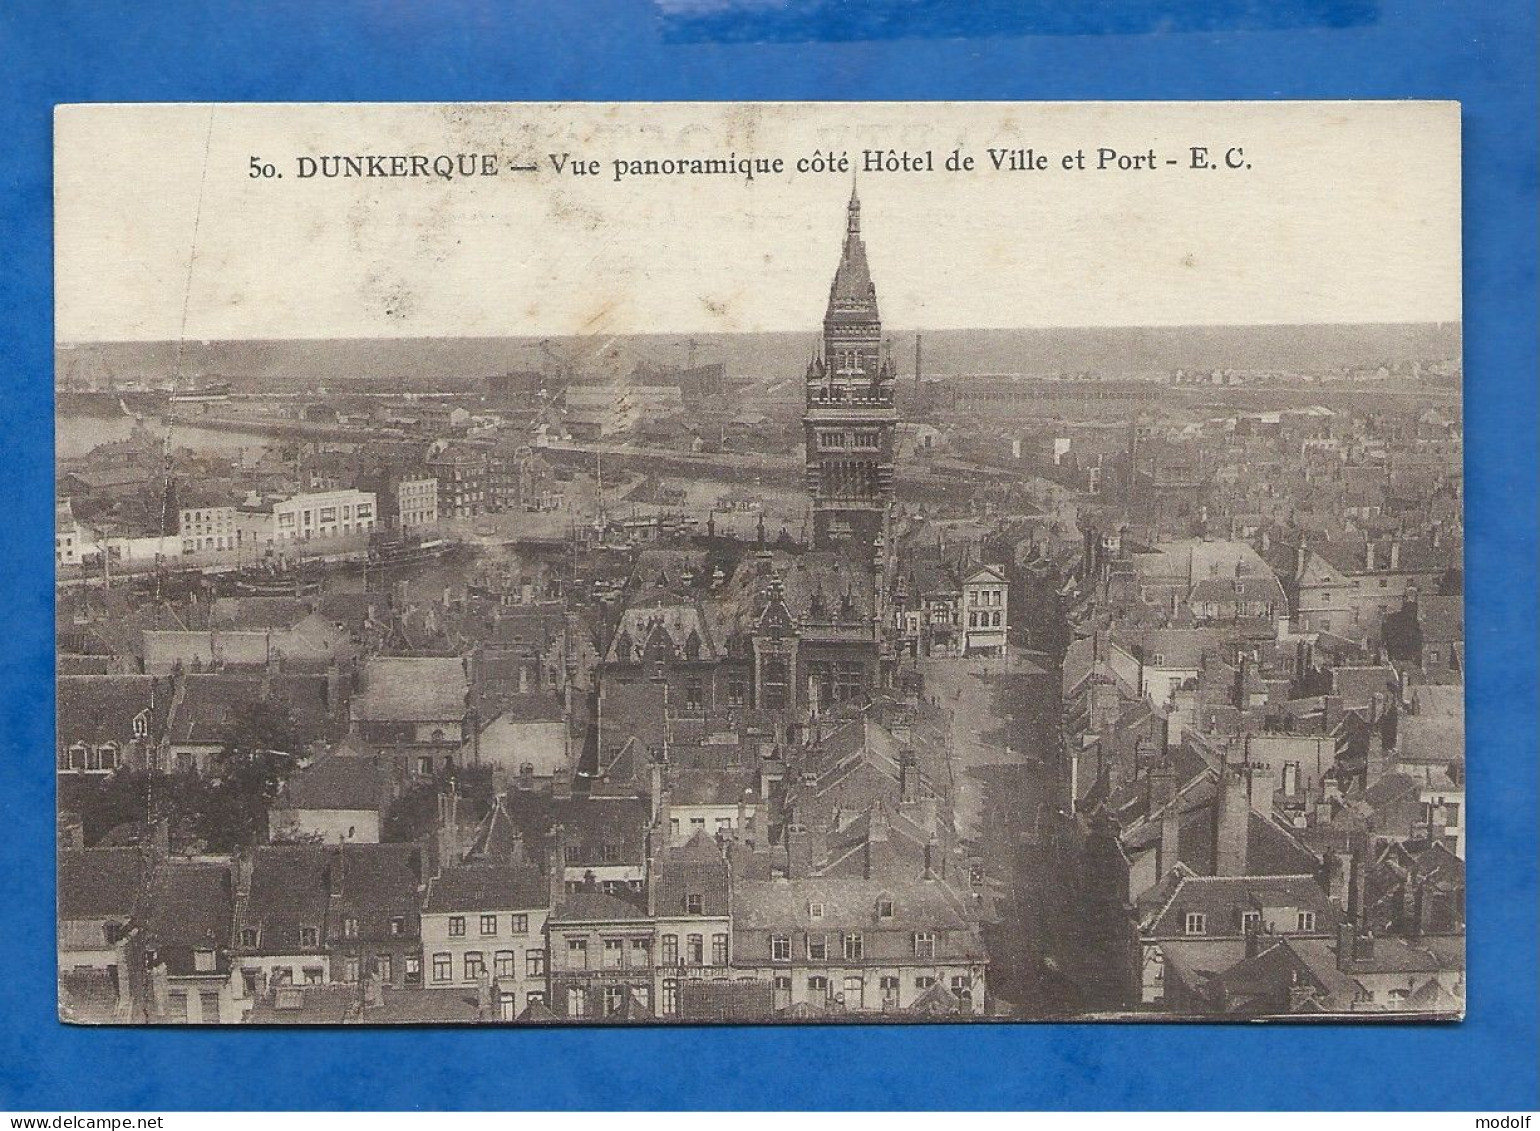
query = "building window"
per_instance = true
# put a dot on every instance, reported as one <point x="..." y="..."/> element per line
<point x="314" y="975"/>
<point x="577" y="954"/>
<point x="457" y="926"/>
<point x="577" y="1001"/>
<point x="1196" y="923"/>
<point x="853" y="948"/>
<point x="670" y="1000"/>
<point x="208" y="1007"/>
<point x="719" y="950"/>
<point x="308" y="937"/>
<point x="398" y="925"/>
<point x="780" y="948"/>
<point x="443" y="967"/>
<point x="1250" y="921"/>
<point x="818" y="947"/>
<point x="502" y="964"/>
<point x="249" y="937"/>
<point x="639" y="949"/>
<point x="737" y="691"/>
<point x="815" y="910"/>
<point x="1305" y="921"/>
<point x="534" y="963"/>
<point x="924" y="982"/>
<point x="384" y="968"/>
<point x="695" y="950"/>
<point x="614" y="954"/>
<point x="818" y="988"/>
<point x="889" y="986"/>
<point x="692" y="904"/>
<point x="925" y="944"/>
<point x="670" y="955"/>
<point x="519" y="924"/>
<point x="884" y="909"/>
<point x="413" y="970"/>
<point x="350" y="968"/>
<point x="475" y="965"/>
<point x="489" y="924"/>
<point x="350" y="927"/>
<point x="614" y="1000"/>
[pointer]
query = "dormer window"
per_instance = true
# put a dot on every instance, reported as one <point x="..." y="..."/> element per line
<point x="249" y="937"/>
<point x="1305" y="921"/>
<point x="692" y="646"/>
<point x="1250" y="921"/>
<point x="1195" y="923"/>
<point x="309" y="937"/>
<point x="203" y="960"/>
<point x="884" y="908"/>
<point x="692" y="904"/>
<point x="142" y="724"/>
<point x="815" y="909"/>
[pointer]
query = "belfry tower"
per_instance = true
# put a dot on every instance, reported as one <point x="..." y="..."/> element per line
<point x="850" y="418"/>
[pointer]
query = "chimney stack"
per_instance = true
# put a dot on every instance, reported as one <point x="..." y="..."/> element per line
<point x="556" y="867"/>
<point x="932" y="850"/>
<point x="799" y="852"/>
<point x="1232" y="820"/>
<point x="908" y="778"/>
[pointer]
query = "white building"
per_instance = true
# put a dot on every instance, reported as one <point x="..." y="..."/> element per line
<point x="986" y="605"/>
<point x="417" y="503"/>
<point x="315" y="516"/>
<point x="206" y="529"/>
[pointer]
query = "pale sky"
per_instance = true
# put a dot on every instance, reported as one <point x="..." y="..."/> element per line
<point x="1349" y="213"/>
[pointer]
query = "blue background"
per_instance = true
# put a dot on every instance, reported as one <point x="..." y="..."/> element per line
<point x="1481" y="52"/>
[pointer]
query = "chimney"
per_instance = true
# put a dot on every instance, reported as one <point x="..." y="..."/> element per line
<point x="1161" y="785"/>
<point x="908" y="779"/>
<point x="337" y="874"/>
<point x="1344" y="945"/>
<point x="1358" y="877"/>
<point x="1339" y="869"/>
<point x="556" y="866"/>
<point x="1421" y="909"/>
<point x="1260" y="787"/>
<point x="932" y="851"/>
<point x="449" y="827"/>
<point x="1253" y="939"/>
<point x="1232" y="820"/>
<point x="799" y="853"/>
<point x="561" y="785"/>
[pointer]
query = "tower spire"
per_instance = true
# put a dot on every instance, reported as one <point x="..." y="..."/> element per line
<point x="853" y="210"/>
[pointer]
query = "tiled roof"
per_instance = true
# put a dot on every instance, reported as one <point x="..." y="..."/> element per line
<point x="100" y="883"/>
<point x="596" y="907"/>
<point x="337" y="781"/>
<point x="101" y="708"/>
<point x="257" y="612"/>
<point x="288" y="890"/>
<point x="190" y="909"/>
<point x="695" y="868"/>
<point x="849" y="903"/>
<point x="488" y="887"/>
<point x="1221" y="899"/>
<point x="412" y="689"/>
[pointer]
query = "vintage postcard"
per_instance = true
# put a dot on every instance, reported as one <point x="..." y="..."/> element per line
<point x="620" y="563"/>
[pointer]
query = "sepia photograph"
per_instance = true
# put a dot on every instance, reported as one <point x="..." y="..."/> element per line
<point x="820" y="563"/>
